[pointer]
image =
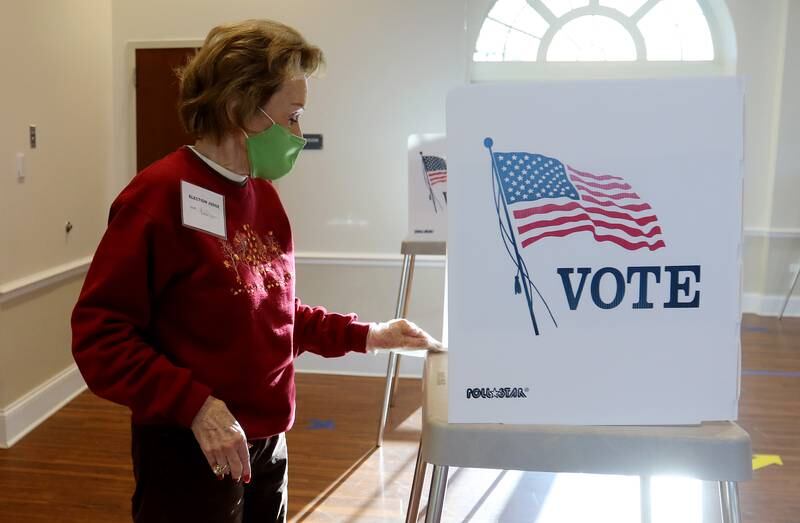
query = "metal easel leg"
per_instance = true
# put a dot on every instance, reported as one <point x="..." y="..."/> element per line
<point x="789" y="295"/>
<point x="436" y="497"/>
<point x="391" y="371"/>
<point x="729" y="502"/>
<point x="402" y="312"/>
<point x="416" y="488"/>
<point x="644" y="497"/>
<point x="395" y="380"/>
<point x="386" y="395"/>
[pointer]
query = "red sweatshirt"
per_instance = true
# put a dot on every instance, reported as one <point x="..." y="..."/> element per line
<point x="169" y="314"/>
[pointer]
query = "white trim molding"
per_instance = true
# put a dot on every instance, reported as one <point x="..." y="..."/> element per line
<point x="27" y="412"/>
<point x="381" y="374"/>
<point x="362" y="259"/>
<point x="47" y="278"/>
<point x="766" y="232"/>
<point x="55" y="275"/>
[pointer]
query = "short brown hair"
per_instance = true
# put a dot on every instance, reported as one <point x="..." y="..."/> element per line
<point x="238" y="69"/>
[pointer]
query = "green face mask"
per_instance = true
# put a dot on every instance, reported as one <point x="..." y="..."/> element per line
<point x="272" y="153"/>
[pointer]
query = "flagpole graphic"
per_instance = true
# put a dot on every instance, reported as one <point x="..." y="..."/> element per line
<point x="431" y="196"/>
<point x="522" y="269"/>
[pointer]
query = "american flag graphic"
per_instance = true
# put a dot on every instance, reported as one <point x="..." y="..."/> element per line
<point x="435" y="169"/>
<point x="549" y="199"/>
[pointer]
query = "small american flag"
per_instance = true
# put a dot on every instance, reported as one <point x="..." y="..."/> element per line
<point x="435" y="169"/>
<point x="548" y="199"/>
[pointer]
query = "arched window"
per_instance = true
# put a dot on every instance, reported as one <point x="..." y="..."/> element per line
<point x="523" y="38"/>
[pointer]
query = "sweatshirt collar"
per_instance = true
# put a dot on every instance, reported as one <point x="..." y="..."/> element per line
<point x="222" y="171"/>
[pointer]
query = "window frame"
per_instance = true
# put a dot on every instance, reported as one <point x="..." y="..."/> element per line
<point x="720" y="25"/>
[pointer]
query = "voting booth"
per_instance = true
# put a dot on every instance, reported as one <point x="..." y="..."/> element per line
<point x="594" y="248"/>
<point x="427" y="188"/>
<point x="427" y="233"/>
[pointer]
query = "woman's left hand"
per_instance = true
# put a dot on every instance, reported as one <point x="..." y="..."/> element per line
<point x="401" y="334"/>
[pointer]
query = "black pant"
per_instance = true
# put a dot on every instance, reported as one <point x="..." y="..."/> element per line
<point x="175" y="484"/>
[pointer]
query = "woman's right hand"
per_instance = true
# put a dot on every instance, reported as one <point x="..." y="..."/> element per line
<point x="222" y="440"/>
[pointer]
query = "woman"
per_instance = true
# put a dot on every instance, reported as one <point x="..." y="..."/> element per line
<point x="188" y="314"/>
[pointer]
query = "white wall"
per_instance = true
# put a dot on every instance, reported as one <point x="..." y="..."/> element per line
<point x="769" y="53"/>
<point x="788" y="166"/>
<point x="370" y="286"/>
<point x="783" y="250"/>
<point x="390" y="65"/>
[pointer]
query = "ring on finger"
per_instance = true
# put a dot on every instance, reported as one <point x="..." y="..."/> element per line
<point x="219" y="470"/>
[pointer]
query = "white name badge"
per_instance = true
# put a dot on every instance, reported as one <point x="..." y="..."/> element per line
<point x="203" y="210"/>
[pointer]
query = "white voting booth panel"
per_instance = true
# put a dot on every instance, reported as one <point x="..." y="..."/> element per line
<point x="594" y="252"/>
<point x="427" y="188"/>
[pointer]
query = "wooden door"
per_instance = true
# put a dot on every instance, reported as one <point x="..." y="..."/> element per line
<point x="158" y="127"/>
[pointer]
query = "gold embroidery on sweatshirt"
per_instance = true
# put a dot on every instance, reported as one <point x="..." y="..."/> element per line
<point x="253" y="260"/>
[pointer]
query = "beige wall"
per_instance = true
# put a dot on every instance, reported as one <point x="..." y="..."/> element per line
<point x="36" y="338"/>
<point x="56" y="65"/>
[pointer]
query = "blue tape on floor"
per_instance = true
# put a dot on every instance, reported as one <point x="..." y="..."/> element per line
<point x="776" y="373"/>
<point x="756" y="329"/>
<point x="321" y="424"/>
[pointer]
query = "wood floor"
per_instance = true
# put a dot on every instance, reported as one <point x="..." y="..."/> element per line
<point x="75" y="467"/>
